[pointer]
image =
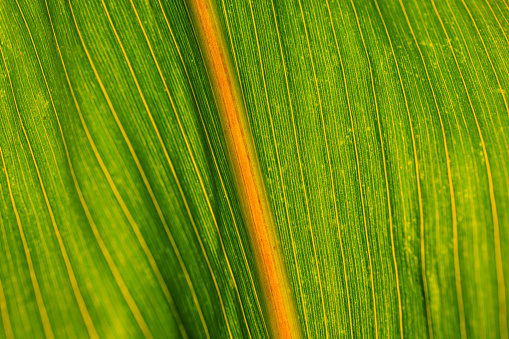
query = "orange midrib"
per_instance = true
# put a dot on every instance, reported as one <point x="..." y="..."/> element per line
<point x="280" y="305"/>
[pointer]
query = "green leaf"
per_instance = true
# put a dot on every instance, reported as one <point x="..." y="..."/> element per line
<point x="381" y="132"/>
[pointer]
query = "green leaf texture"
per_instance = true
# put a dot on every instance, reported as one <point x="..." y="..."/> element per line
<point x="381" y="129"/>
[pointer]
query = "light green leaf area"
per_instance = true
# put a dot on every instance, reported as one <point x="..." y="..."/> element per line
<point x="381" y="129"/>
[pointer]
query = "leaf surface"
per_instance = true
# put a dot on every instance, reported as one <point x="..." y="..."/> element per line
<point x="380" y="128"/>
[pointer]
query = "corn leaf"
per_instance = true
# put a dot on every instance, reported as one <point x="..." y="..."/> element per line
<point x="380" y="129"/>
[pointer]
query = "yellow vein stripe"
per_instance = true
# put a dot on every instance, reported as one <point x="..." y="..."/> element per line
<point x="239" y="79"/>
<point x="333" y="185"/>
<point x="297" y="269"/>
<point x="389" y="206"/>
<point x="385" y="177"/>
<point x="496" y="226"/>
<point x="200" y="179"/>
<point x="502" y="299"/>
<point x="506" y="5"/>
<point x="490" y="180"/>
<point x="352" y="128"/>
<point x="79" y="298"/>
<point x="429" y="139"/>
<point x="48" y="332"/>
<point x="121" y="202"/>
<point x="42" y="239"/>
<point x="158" y="208"/>
<point x="111" y="264"/>
<point x="330" y="169"/>
<point x="490" y="28"/>
<point x="502" y="92"/>
<point x="503" y="144"/>
<point x="51" y="148"/>
<point x="417" y="176"/>
<point x="4" y="311"/>
<point x="487" y="105"/>
<point x="64" y="143"/>
<point x="480" y="307"/>
<point x="448" y="159"/>
<point x="279" y="303"/>
<point x="216" y="166"/>
<point x="353" y="131"/>
<point x="361" y="187"/>
<point x="498" y="22"/>
<point x="81" y="303"/>
<point x="461" y="307"/>
<point x="457" y="271"/>
<point x="35" y="221"/>
<point x="4" y="307"/>
<point x="274" y="140"/>
<point x="16" y="288"/>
